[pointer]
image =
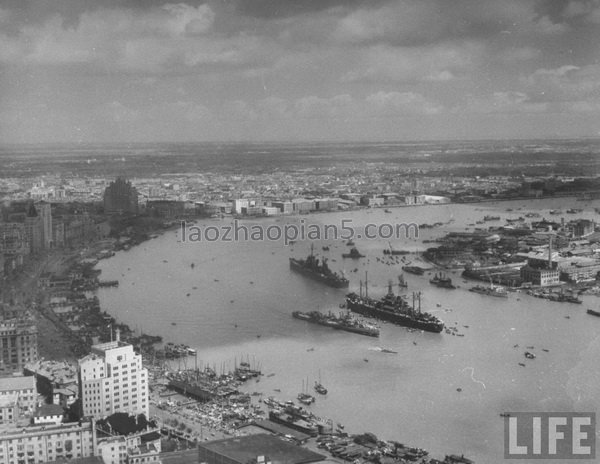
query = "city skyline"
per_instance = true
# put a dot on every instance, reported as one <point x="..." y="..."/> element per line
<point x="133" y="71"/>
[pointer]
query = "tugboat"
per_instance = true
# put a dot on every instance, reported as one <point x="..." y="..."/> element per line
<point x="394" y="309"/>
<point x="354" y="254"/>
<point x="318" y="270"/>
<point x="442" y="281"/>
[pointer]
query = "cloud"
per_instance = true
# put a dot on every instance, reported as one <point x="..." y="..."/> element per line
<point x="173" y="38"/>
<point x="565" y="83"/>
<point x="288" y="8"/>
<point x="508" y="102"/>
<point x="187" y="20"/>
<point x="588" y="10"/>
<point x="382" y="104"/>
<point x="116" y="112"/>
<point x="342" y="107"/>
<point x="414" y="22"/>
<point x="440" y="62"/>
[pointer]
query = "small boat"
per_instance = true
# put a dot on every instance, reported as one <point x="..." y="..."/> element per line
<point x="529" y="355"/>
<point x="306" y="398"/>
<point x="593" y="312"/>
<point x="320" y="389"/>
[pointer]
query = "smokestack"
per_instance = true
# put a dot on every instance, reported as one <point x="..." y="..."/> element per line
<point x="550" y="253"/>
<point x="118" y="335"/>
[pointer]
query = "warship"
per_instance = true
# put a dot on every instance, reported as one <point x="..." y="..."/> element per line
<point x="318" y="270"/>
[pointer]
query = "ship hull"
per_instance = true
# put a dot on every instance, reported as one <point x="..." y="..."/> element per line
<point x="300" y="427"/>
<point x="414" y="270"/>
<point x="332" y="281"/>
<point x="489" y="292"/>
<point x="394" y="317"/>
<point x="336" y="325"/>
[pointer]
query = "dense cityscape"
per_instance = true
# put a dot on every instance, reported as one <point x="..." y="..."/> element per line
<point x="78" y="383"/>
<point x="299" y="231"/>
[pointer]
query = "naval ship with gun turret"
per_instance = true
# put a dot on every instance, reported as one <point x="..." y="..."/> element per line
<point x="317" y="269"/>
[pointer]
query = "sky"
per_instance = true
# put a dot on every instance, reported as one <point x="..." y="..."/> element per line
<point x="95" y="71"/>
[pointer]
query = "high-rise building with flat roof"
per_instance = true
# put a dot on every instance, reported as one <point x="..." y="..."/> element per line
<point x="120" y="197"/>
<point x="112" y="379"/>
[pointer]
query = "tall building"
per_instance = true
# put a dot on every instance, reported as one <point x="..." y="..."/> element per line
<point x="33" y="229"/>
<point x="45" y="213"/>
<point x="18" y="345"/>
<point x="120" y="197"/>
<point x="112" y="379"/>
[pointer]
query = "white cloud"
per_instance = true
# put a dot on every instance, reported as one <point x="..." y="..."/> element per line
<point x="185" y="19"/>
<point x="557" y="72"/>
<point x="439" y="62"/>
<point x="382" y="104"/>
<point x="157" y="40"/>
<point x="117" y="112"/>
<point x="413" y="22"/>
<point x="341" y="107"/>
<point x="566" y="83"/>
<point x="442" y="76"/>
<point x="510" y="102"/>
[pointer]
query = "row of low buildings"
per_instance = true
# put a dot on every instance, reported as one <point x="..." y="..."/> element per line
<point x="257" y="207"/>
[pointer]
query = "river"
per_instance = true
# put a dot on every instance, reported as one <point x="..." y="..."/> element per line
<point x="440" y="392"/>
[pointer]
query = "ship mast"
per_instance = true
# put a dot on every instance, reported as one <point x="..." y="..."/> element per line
<point x="366" y="285"/>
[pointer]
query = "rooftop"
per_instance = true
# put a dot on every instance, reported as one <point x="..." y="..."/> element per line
<point x="245" y="449"/>
<point x="16" y="383"/>
<point x="49" y="410"/>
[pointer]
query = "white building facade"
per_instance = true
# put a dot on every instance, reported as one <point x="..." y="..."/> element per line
<point x="112" y="379"/>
